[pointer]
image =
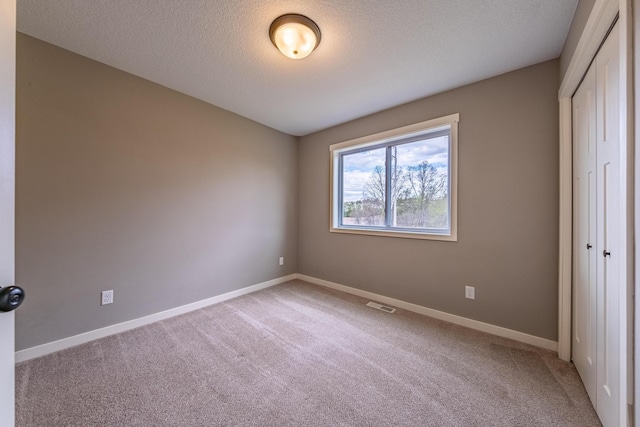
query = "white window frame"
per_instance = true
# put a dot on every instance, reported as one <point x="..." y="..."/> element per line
<point x="425" y="128"/>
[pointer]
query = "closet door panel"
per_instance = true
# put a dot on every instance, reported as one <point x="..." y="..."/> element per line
<point x="584" y="232"/>
<point x="608" y="230"/>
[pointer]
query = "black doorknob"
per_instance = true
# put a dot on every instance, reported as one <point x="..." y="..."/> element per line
<point x="11" y="297"/>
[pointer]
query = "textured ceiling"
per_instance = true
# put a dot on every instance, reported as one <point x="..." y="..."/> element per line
<point x="374" y="55"/>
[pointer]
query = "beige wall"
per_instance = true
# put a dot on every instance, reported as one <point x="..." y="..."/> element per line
<point x="580" y="19"/>
<point x="125" y="185"/>
<point x="507" y="208"/>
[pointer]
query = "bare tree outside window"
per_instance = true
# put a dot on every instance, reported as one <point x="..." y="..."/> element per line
<point x="418" y="193"/>
<point x="426" y="189"/>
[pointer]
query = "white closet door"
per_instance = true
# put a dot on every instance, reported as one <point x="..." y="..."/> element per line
<point x="597" y="184"/>
<point x="584" y="223"/>
<point x="609" y="251"/>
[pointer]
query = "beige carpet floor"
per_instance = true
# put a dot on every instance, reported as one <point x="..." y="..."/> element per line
<point x="301" y="355"/>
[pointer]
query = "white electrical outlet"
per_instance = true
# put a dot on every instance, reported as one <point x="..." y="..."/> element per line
<point x="107" y="297"/>
<point x="281" y="260"/>
<point x="470" y="292"/>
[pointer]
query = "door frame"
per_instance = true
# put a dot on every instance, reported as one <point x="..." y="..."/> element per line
<point x="602" y="16"/>
<point x="7" y="198"/>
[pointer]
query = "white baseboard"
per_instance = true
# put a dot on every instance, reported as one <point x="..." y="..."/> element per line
<point x="41" y="350"/>
<point x="452" y="318"/>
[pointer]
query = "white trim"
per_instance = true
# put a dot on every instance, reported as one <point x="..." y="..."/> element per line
<point x="634" y="325"/>
<point x="441" y="315"/>
<point x="44" y="349"/>
<point x="595" y="30"/>
<point x="427" y="126"/>
<point x="565" y="232"/>
<point x="599" y="22"/>
<point x="405" y="235"/>
<point x="627" y="216"/>
<point x="41" y="350"/>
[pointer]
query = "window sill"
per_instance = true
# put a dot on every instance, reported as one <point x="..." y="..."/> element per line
<point x="398" y="234"/>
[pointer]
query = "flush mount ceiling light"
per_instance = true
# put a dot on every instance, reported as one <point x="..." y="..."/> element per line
<point x="296" y="36"/>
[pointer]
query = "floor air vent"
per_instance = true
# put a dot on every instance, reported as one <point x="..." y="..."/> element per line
<point x="381" y="307"/>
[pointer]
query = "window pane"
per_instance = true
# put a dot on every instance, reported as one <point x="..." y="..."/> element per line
<point x="419" y="184"/>
<point x="397" y="183"/>
<point x="363" y="188"/>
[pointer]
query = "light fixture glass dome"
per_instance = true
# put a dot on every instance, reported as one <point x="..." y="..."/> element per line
<point x="296" y="36"/>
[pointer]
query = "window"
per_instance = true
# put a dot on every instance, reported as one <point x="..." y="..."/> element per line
<point x="400" y="183"/>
